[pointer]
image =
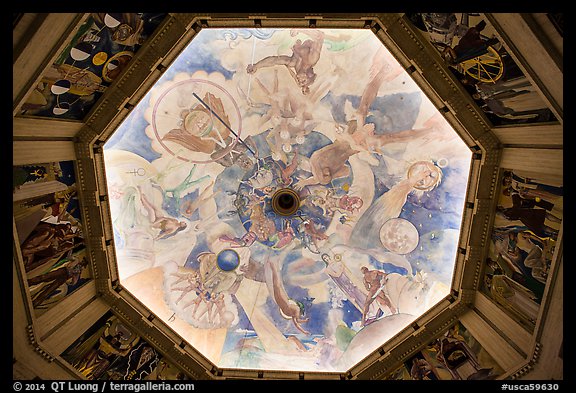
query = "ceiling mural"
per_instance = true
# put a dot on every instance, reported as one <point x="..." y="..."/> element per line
<point x="456" y="355"/>
<point x="481" y="63"/>
<point x="102" y="47"/>
<point x="110" y="350"/>
<point x="286" y="198"/>
<point x="523" y="242"/>
<point x="49" y="229"/>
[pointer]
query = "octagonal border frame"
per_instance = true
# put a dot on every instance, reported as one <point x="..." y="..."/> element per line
<point x="425" y="66"/>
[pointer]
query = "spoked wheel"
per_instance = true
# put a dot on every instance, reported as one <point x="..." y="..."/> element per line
<point x="485" y="68"/>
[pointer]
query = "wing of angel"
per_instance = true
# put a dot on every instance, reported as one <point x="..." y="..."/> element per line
<point x="217" y="107"/>
<point x="218" y="128"/>
<point x="189" y="141"/>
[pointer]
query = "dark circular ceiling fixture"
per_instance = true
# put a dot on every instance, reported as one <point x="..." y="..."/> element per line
<point x="285" y="202"/>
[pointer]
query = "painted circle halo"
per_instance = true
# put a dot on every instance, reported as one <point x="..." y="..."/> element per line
<point x="191" y="104"/>
<point x="426" y="182"/>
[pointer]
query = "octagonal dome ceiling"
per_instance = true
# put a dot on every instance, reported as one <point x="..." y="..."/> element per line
<point x="286" y="199"/>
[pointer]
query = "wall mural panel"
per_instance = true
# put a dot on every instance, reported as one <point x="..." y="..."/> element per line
<point x="286" y="198"/>
<point x="109" y="350"/>
<point x="477" y="58"/>
<point x="456" y="355"/>
<point x="96" y="55"/>
<point x="49" y="229"/>
<point x="526" y="226"/>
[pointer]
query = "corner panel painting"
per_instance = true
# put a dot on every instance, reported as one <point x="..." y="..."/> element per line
<point x="110" y="350"/>
<point x="96" y="55"/>
<point x="526" y="227"/>
<point x="49" y="230"/>
<point x="456" y="355"/>
<point x="476" y="57"/>
<point x="286" y="199"/>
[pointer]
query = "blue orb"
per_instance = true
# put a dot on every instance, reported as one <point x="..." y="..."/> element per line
<point x="228" y="260"/>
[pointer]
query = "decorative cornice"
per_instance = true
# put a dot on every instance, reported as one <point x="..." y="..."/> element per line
<point x="37" y="348"/>
<point x="529" y="366"/>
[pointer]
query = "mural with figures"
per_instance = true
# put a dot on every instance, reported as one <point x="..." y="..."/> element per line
<point x="286" y="198"/>
<point x="456" y="355"/>
<point x="526" y="228"/>
<point x="99" y="51"/>
<point x="49" y="231"/>
<point x="109" y="350"/>
<point x="477" y="58"/>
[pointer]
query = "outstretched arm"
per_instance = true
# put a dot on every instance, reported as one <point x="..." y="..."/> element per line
<point x="270" y="61"/>
<point x="300" y="184"/>
<point x="152" y="213"/>
<point x="381" y="70"/>
<point x="297" y="321"/>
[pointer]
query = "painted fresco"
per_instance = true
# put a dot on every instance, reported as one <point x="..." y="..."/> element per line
<point x="456" y="355"/>
<point x="103" y="46"/>
<point x="379" y="179"/>
<point x="526" y="226"/>
<point x="109" y="350"/>
<point x="476" y="57"/>
<point x="49" y="229"/>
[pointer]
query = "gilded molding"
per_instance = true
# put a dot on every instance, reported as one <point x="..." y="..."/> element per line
<point x="166" y="36"/>
<point x="102" y="114"/>
<point x="138" y="71"/>
<point x="529" y="366"/>
<point x="373" y="371"/>
<point x="389" y="19"/>
<point x="37" y="348"/>
<point x="183" y="19"/>
<point x="85" y="174"/>
<point x="83" y="139"/>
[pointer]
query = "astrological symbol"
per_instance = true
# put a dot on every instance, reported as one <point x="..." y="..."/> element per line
<point x="138" y="172"/>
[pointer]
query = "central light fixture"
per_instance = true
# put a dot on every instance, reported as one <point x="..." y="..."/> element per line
<point x="285" y="202"/>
